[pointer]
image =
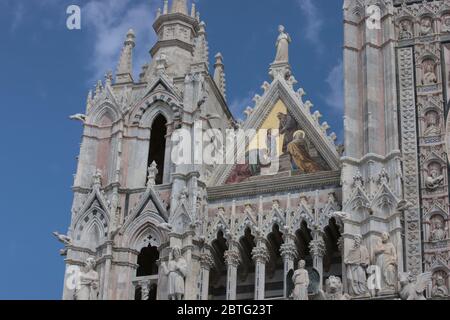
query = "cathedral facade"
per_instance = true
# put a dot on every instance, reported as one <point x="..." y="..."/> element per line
<point x="176" y="199"/>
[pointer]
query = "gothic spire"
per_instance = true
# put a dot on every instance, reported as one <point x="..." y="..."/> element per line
<point x="179" y="6"/>
<point x="125" y="66"/>
<point x="219" y="74"/>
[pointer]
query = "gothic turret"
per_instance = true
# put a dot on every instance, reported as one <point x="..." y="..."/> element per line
<point x="125" y="67"/>
<point x="219" y="74"/>
<point x="177" y="31"/>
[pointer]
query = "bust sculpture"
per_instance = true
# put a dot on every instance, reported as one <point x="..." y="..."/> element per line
<point x="282" y="45"/>
<point x="434" y="180"/>
<point x="405" y="32"/>
<point x="440" y="290"/>
<point x="301" y="282"/>
<point x="88" y="282"/>
<point x="439" y="233"/>
<point x="176" y="271"/>
<point x="432" y="124"/>
<point x="426" y="27"/>
<point x="429" y="76"/>
<point x="356" y="261"/>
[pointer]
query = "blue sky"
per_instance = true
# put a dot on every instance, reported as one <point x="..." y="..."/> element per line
<point x="46" y="71"/>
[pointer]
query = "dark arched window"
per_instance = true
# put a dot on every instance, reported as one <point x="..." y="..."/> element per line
<point x="147" y="261"/>
<point x="158" y="146"/>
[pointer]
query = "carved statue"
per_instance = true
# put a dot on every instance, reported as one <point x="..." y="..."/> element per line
<point x="152" y="173"/>
<point x="176" y="271"/>
<point x="434" y="180"/>
<point x="333" y="290"/>
<point x="282" y="46"/>
<point x="426" y="27"/>
<point x="412" y="287"/>
<point x="88" y="282"/>
<point x="301" y="282"/>
<point x="97" y="178"/>
<point x="429" y="76"/>
<point x="356" y="261"/>
<point x="432" y="124"/>
<point x="386" y="260"/>
<point x="439" y="233"/>
<point x="405" y="32"/>
<point x="440" y="290"/>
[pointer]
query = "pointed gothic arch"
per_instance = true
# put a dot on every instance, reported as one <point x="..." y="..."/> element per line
<point x="157" y="147"/>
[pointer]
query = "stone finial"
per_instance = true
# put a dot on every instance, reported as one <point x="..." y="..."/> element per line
<point x="125" y="66"/>
<point x="179" y="6"/>
<point x="166" y="7"/>
<point x="193" y="10"/>
<point x="152" y="172"/>
<point x="219" y="74"/>
<point x="201" y="50"/>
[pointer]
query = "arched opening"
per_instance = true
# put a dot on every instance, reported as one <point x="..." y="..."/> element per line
<point x="302" y="241"/>
<point x="245" y="289"/>
<point x="157" y="149"/>
<point x="332" y="261"/>
<point x="147" y="271"/>
<point x="218" y="274"/>
<point x="147" y="261"/>
<point x="275" y="268"/>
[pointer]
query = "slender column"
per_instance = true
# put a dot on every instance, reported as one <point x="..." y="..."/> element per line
<point x="289" y="253"/>
<point x="232" y="258"/>
<point x="261" y="257"/>
<point x="317" y="249"/>
<point x="206" y="263"/>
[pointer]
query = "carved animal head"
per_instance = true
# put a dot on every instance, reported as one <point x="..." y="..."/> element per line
<point x="333" y="285"/>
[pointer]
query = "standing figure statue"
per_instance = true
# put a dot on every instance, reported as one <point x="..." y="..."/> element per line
<point x="88" y="282"/>
<point x="282" y="45"/>
<point x="176" y="271"/>
<point x="356" y="262"/>
<point x="386" y="260"/>
<point x="301" y="282"/>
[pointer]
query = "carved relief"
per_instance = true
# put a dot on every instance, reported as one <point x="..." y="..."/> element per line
<point x="429" y="72"/>
<point x="445" y="23"/>
<point x="438" y="230"/>
<point x="440" y="289"/>
<point x="435" y="177"/>
<point x="426" y="26"/>
<point x="432" y="124"/>
<point x="405" y="31"/>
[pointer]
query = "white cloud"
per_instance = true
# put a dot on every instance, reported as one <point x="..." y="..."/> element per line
<point x="238" y="105"/>
<point x="109" y="21"/>
<point x="335" y="81"/>
<point x="18" y="13"/>
<point x="314" y="22"/>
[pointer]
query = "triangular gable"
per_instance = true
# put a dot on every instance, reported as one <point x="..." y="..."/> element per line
<point x="278" y="96"/>
<point x="161" y="84"/>
<point x="96" y="196"/>
<point x="149" y="200"/>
